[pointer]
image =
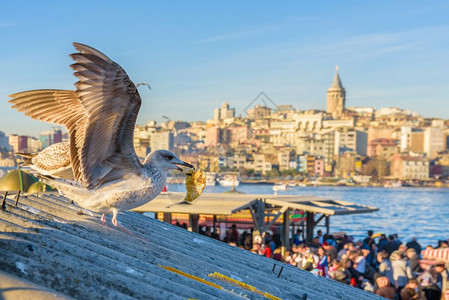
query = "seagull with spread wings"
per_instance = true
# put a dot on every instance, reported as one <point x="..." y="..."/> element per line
<point x="100" y="116"/>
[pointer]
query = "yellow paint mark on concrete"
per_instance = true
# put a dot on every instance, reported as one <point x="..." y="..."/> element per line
<point x="242" y="285"/>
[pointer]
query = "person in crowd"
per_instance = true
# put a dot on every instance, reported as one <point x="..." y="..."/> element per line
<point x="309" y="260"/>
<point x="207" y="232"/>
<point x="390" y="245"/>
<point x="446" y="294"/>
<point x="323" y="263"/>
<point x="368" y="246"/>
<point x="345" y="251"/>
<point x="401" y="270"/>
<point x="413" y="260"/>
<point x="385" y="289"/>
<point x="320" y="237"/>
<point x="385" y="267"/>
<point x="277" y="255"/>
<point x="443" y="244"/>
<point x="442" y="276"/>
<point x="297" y="237"/>
<point x="266" y="249"/>
<point x="428" y="282"/>
<point x="256" y="248"/>
<point x="414" y="245"/>
<point x="382" y="242"/>
<point x="233" y="234"/>
<point x="330" y="250"/>
<point x="396" y="239"/>
<point x="410" y="291"/>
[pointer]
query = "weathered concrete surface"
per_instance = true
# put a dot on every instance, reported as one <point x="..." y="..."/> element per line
<point x="47" y="242"/>
<point x="14" y="288"/>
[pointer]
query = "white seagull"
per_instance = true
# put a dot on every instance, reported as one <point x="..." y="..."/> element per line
<point x="100" y="116"/>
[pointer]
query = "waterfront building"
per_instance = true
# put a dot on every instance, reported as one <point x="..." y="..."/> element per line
<point x="336" y="97"/>
<point x="259" y="164"/>
<point x="283" y="159"/>
<point x="409" y="167"/>
<point x="19" y="143"/>
<point x="434" y="141"/>
<point x="319" y="166"/>
<point x="4" y="142"/>
<point x="384" y="148"/>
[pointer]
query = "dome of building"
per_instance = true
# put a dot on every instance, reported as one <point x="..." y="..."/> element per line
<point x="17" y="180"/>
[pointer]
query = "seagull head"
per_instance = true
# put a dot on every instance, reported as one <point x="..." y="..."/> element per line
<point x="166" y="160"/>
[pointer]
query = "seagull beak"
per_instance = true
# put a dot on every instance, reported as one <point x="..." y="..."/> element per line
<point x="181" y="163"/>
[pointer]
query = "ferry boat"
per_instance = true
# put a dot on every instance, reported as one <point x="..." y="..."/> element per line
<point x="280" y="187"/>
<point x="393" y="184"/>
<point x="229" y="179"/>
<point x="211" y="178"/>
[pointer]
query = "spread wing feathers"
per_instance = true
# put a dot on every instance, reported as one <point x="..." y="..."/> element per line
<point x="100" y="117"/>
<point x="54" y="106"/>
<point x="59" y="107"/>
<point x="111" y="104"/>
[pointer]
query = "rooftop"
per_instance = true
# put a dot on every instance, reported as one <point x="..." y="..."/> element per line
<point x="57" y="249"/>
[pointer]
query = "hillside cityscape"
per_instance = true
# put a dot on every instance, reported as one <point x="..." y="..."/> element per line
<point x="343" y="145"/>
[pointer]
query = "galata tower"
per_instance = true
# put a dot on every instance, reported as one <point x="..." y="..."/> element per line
<point x="336" y="97"/>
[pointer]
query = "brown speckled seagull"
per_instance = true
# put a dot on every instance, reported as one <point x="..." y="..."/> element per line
<point x="53" y="161"/>
<point x="100" y="116"/>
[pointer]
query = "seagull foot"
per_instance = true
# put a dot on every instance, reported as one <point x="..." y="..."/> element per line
<point x="103" y="220"/>
<point x="122" y="228"/>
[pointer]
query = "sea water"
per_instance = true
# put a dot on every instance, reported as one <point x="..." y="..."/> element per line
<point x="410" y="212"/>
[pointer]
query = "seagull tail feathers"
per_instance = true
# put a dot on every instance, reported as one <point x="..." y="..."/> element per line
<point x="68" y="188"/>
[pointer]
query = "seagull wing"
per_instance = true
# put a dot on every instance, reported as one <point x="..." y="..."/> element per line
<point x="59" y="107"/>
<point x="111" y="104"/>
<point x="100" y="117"/>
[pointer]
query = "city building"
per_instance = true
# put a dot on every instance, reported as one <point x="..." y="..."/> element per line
<point x="19" y="143"/>
<point x="384" y="148"/>
<point x="224" y="112"/>
<point x="336" y="97"/>
<point x="409" y="167"/>
<point x="434" y="141"/>
<point x="4" y="142"/>
<point x="355" y="140"/>
<point x="50" y="137"/>
<point x="259" y="112"/>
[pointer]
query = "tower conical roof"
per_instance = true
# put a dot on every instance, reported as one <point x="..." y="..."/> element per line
<point x="336" y="83"/>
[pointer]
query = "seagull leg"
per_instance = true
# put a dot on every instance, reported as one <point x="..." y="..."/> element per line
<point x="117" y="224"/>
<point x="103" y="219"/>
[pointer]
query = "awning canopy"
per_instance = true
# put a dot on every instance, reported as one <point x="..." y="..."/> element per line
<point x="228" y="203"/>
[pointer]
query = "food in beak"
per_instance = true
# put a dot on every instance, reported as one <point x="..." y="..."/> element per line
<point x="195" y="183"/>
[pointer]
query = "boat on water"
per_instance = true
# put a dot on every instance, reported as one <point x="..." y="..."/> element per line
<point x="280" y="187"/>
<point x="211" y="178"/>
<point x="393" y="184"/>
<point x="231" y="179"/>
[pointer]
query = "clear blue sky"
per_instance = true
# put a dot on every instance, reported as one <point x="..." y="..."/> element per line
<point x="197" y="54"/>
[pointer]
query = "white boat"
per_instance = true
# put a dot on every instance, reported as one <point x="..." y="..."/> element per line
<point x="229" y="180"/>
<point x="211" y="178"/>
<point x="280" y="187"/>
<point x="393" y="184"/>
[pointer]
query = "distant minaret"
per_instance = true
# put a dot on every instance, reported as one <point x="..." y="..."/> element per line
<point x="336" y="97"/>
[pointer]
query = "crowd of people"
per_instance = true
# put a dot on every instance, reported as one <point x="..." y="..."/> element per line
<point x="380" y="264"/>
